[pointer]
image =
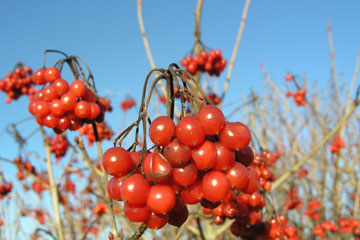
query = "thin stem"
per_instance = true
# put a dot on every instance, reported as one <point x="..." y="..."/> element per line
<point x="139" y="232"/>
<point x="356" y="201"/>
<point x="200" y="228"/>
<point x="197" y="47"/>
<point x="109" y="202"/>
<point x="236" y="47"/>
<point x="145" y="41"/>
<point x="333" y="61"/>
<point x="53" y="188"/>
<point x="53" y="51"/>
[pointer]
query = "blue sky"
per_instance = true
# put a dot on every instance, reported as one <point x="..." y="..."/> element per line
<point x="284" y="35"/>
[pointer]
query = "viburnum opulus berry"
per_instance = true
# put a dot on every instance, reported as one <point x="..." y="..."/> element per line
<point x="200" y="159"/>
<point x="117" y="161"/>
<point x="161" y="130"/>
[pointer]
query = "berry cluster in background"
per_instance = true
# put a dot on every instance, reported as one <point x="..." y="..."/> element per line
<point x="61" y="105"/>
<point x="5" y="189"/>
<point x="58" y="146"/>
<point x="104" y="132"/>
<point x="17" y="83"/>
<point x="211" y="62"/>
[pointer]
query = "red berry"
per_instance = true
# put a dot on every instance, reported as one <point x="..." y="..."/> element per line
<point x="42" y="108"/>
<point x="215" y="186"/>
<point x="157" y="221"/>
<point x="135" y="190"/>
<point x="193" y="193"/>
<point x="177" y="153"/>
<point x="113" y="188"/>
<point x="253" y="183"/>
<point x="204" y="155"/>
<point x="49" y="93"/>
<point x="235" y="136"/>
<point x="78" y="88"/>
<point x="238" y="176"/>
<point x="161" y="130"/>
<point x="225" y="157"/>
<point x="137" y="214"/>
<point x="39" y="76"/>
<point x="68" y="101"/>
<point x="51" y="74"/>
<point x="156" y="168"/>
<point x="50" y="121"/>
<point x="56" y="108"/>
<point x="116" y="161"/>
<point x="211" y="119"/>
<point x="189" y="131"/>
<point x="61" y="86"/>
<point x="82" y="109"/>
<point x="161" y="199"/>
<point x="185" y="176"/>
<point x="32" y="107"/>
<point x="94" y="110"/>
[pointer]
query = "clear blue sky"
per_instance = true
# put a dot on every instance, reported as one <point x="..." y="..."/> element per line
<point x="284" y="35"/>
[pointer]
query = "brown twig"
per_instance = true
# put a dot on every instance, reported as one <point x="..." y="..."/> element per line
<point x="139" y="232"/>
<point x="146" y="42"/>
<point x="333" y="61"/>
<point x="236" y="47"/>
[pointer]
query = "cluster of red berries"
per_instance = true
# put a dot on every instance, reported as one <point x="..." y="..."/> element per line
<point x="242" y="207"/>
<point x="104" y="132"/>
<point x="100" y="209"/>
<point x="293" y="201"/>
<point x="302" y="173"/>
<point x="24" y="168"/>
<point x="61" y="106"/>
<point x="279" y="229"/>
<point x="211" y="62"/>
<point x="214" y="98"/>
<point x="5" y="189"/>
<point x="93" y="230"/>
<point x="349" y="225"/>
<point x="276" y="228"/>
<point x="337" y="144"/>
<point x="69" y="186"/>
<point x="194" y="161"/>
<point x="127" y="104"/>
<point x="326" y="226"/>
<point x="40" y="215"/>
<point x="313" y="209"/>
<point x="40" y="184"/>
<point x="262" y="163"/>
<point x="58" y="145"/>
<point x="17" y="83"/>
<point x="299" y="97"/>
